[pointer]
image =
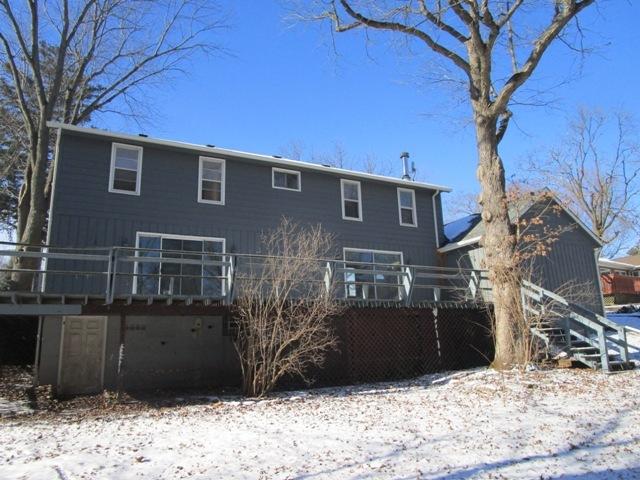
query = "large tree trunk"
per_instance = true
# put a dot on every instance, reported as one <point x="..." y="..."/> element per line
<point x="499" y="242"/>
<point x="32" y="210"/>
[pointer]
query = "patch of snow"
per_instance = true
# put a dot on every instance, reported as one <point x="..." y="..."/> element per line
<point x="10" y="408"/>
<point x="472" y="424"/>
<point x="460" y="227"/>
<point x="632" y="322"/>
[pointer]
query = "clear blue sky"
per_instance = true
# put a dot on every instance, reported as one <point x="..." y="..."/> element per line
<point x="284" y="83"/>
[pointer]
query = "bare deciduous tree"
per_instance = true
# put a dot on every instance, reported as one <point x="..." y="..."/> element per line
<point x="495" y="47"/>
<point x="460" y="204"/>
<point x="538" y="228"/>
<point x="338" y="157"/>
<point x="285" y="300"/>
<point x="595" y="170"/>
<point x="104" y="51"/>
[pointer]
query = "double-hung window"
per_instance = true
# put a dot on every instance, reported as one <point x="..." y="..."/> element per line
<point x="407" y="207"/>
<point x="211" y="180"/>
<point x="372" y="274"/>
<point x="126" y="168"/>
<point x="285" y="179"/>
<point x="351" y="200"/>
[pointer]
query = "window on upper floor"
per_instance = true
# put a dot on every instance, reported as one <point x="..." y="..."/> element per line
<point x="211" y="180"/>
<point x="351" y="200"/>
<point x="407" y="207"/>
<point x="285" y="179"/>
<point x="126" y="168"/>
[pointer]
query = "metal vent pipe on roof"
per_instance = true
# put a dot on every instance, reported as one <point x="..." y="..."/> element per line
<point x="404" y="156"/>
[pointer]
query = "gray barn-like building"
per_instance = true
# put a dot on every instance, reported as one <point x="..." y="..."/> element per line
<point x="559" y="252"/>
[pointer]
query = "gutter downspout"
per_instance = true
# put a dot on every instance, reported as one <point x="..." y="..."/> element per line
<point x="436" y="228"/>
<point x="435" y="218"/>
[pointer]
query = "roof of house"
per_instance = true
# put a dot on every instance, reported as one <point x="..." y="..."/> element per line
<point x="465" y="227"/>
<point x="271" y="159"/>
<point x="469" y="230"/>
<point x="629" y="259"/>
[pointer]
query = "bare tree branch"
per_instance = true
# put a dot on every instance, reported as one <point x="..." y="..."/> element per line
<point x="69" y="60"/>
<point x="479" y="25"/>
<point x="362" y="20"/>
<point x="564" y="15"/>
<point x="595" y="169"/>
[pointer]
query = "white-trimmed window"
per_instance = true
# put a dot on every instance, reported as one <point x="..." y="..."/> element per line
<point x="126" y="168"/>
<point x="407" y="207"/>
<point x="351" y="200"/>
<point x="371" y="274"/>
<point x="211" y="180"/>
<point x="284" y="179"/>
<point x="201" y="275"/>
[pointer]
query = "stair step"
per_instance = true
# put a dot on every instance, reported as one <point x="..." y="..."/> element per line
<point x="558" y="335"/>
<point x="618" y="365"/>
<point x="571" y="328"/>
<point x="596" y="356"/>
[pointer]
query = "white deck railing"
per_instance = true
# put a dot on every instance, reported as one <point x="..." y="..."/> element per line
<point x="116" y="271"/>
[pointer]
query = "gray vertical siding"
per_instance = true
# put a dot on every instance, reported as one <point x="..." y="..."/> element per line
<point x="569" y="268"/>
<point x="85" y="214"/>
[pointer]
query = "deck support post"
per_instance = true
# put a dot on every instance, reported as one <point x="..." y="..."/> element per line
<point x="121" y="352"/>
<point x="36" y="360"/>
<point x="604" y="351"/>
<point x="114" y="274"/>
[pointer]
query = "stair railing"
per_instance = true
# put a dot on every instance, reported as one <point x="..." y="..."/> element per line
<point x="572" y="313"/>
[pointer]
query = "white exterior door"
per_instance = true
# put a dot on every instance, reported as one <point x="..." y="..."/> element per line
<point x="82" y="355"/>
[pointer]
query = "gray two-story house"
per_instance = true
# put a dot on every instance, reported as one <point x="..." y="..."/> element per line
<point x="138" y="225"/>
<point x="170" y="199"/>
<point x="123" y="190"/>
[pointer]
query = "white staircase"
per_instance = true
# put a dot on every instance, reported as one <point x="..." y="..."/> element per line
<point x="583" y="335"/>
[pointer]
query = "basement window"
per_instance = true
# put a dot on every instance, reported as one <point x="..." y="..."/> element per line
<point x="351" y="200"/>
<point x="285" y="179"/>
<point x="126" y="165"/>
<point x="407" y="207"/>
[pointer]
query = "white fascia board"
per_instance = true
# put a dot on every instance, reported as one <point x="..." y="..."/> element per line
<point x="606" y="262"/>
<point x="460" y="244"/>
<point x="249" y="156"/>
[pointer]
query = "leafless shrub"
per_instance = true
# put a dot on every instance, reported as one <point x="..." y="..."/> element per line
<point x="284" y="304"/>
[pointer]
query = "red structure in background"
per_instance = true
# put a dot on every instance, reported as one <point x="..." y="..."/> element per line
<point x="621" y="287"/>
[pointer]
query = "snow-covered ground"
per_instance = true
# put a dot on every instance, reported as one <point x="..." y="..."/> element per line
<point x="570" y="424"/>
<point x="632" y="322"/>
